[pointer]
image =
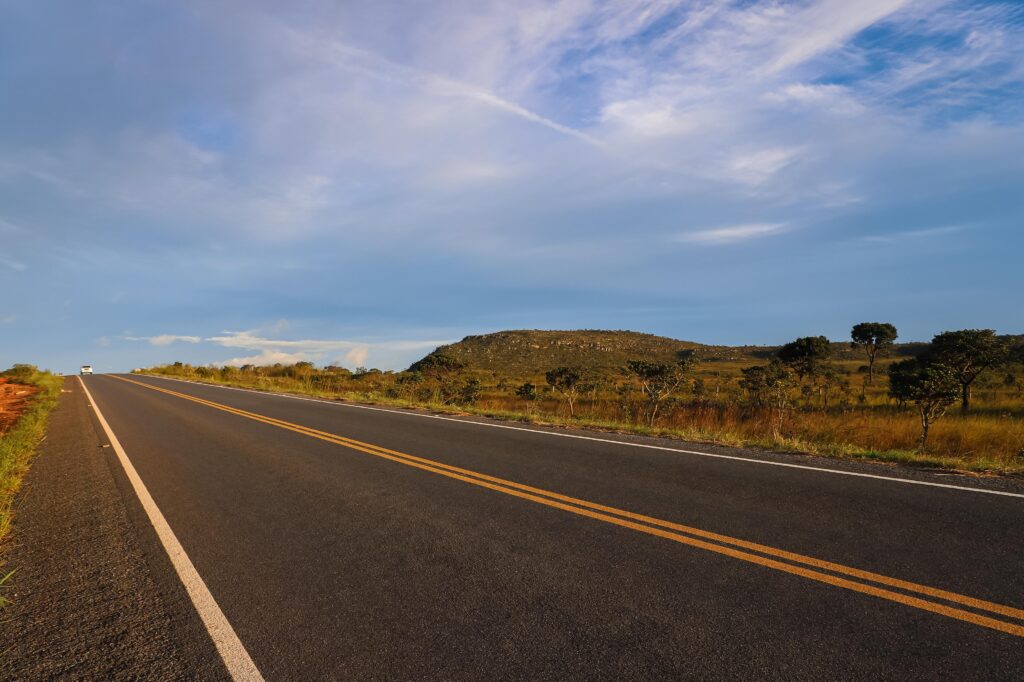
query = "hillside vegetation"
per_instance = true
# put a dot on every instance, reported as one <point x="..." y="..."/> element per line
<point x="524" y="352"/>
<point x="956" y="402"/>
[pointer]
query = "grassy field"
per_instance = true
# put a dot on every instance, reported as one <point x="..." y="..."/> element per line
<point x="19" y="439"/>
<point x="710" y="409"/>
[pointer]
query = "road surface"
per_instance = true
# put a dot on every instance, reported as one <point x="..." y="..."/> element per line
<point x="339" y="542"/>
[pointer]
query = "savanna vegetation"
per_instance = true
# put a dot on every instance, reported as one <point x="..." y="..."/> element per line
<point x="956" y="402"/>
<point x="27" y="396"/>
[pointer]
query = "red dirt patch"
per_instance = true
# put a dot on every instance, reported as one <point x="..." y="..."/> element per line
<point x="14" y="399"/>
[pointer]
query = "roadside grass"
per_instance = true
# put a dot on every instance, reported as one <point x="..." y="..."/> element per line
<point x="978" y="444"/>
<point x="19" y="442"/>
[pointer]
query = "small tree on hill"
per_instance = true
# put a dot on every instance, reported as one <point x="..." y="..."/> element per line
<point x="469" y="394"/>
<point x="569" y="383"/>
<point x="659" y="380"/>
<point x="875" y="338"/>
<point x="930" y="385"/>
<point x="771" y="386"/>
<point x="967" y="353"/>
<point x="443" y="372"/>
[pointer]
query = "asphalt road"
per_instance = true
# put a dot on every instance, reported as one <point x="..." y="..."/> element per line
<point x="335" y="554"/>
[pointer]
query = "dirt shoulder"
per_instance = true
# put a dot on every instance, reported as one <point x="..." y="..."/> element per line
<point x="14" y="400"/>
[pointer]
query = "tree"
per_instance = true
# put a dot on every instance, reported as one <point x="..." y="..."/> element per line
<point x="770" y="386"/>
<point x="527" y="392"/>
<point x="806" y="355"/>
<point x="930" y="385"/>
<point x="568" y="382"/>
<point x="967" y="353"/>
<point x="875" y="338"/>
<point x="831" y="380"/>
<point x="470" y="391"/>
<point x="1017" y="352"/>
<point x="437" y="363"/>
<point x="658" y="380"/>
<point x="443" y="371"/>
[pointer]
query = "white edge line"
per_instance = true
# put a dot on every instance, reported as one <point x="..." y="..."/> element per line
<point x="239" y="664"/>
<point x="699" y="453"/>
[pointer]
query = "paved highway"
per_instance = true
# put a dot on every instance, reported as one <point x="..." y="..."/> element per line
<point x="339" y="542"/>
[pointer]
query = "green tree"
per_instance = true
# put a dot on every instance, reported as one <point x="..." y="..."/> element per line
<point x="806" y="355"/>
<point x="771" y="386"/>
<point x="967" y="353"/>
<point x="875" y="338"/>
<point x="930" y="385"/>
<point x="658" y="380"/>
<point x="470" y="391"/>
<point x="567" y="382"/>
<point x="443" y="372"/>
<point x="527" y="392"/>
<point x="437" y="363"/>
<point x="831" y="381"/>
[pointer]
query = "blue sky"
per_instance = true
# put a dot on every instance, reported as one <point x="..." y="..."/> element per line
<point x="355" y="183"/>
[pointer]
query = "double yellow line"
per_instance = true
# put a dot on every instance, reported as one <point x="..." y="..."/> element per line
<point x="811" y="568"/>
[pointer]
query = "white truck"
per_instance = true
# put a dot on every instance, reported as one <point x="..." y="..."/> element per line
<point x="86" y="369"/>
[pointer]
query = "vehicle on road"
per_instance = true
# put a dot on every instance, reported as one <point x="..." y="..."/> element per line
<point x="86" y="369"/>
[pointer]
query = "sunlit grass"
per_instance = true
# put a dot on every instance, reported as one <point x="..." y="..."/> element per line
<point x="991" y="441"/>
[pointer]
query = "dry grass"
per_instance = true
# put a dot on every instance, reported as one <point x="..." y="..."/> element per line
<point x="987" y="442"/>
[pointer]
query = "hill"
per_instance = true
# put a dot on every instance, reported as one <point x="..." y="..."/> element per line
<point x="527" y="352"/>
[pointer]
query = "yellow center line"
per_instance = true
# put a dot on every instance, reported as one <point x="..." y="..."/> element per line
<point x="664" y="529"/>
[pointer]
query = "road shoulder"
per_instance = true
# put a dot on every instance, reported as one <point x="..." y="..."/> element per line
<point x="90" y="598"/>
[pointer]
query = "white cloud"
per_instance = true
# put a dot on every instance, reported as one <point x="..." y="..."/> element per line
<point x="759" y="167"/>
<point x="268" y="357"/>
<point x="357" y="356"/>
<point x="351" y="353"/>
<point x="733" y="234"/>
<point x="9" y="319"/>
<point x="165" y="339"/>
<point x="823" y="26"/>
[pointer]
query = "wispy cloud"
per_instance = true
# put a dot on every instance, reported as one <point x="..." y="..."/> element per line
<point x="733" y="234"/>
<point x="822" y="26"/>
<point x="368" y="63"/>
<point x="12" y="264"/>
<point x="915" y="234"/>
<point x="165" y="339"/>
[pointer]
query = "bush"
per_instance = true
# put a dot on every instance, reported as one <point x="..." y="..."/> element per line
<point x="21" y="374"/>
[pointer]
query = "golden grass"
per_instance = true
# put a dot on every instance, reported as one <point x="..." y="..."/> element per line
<point x="982" y="443"/>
